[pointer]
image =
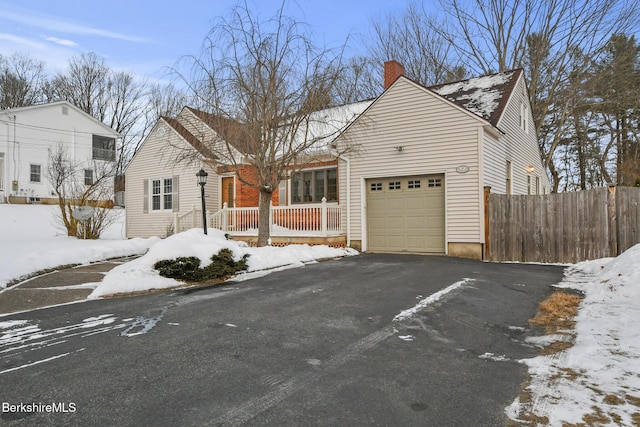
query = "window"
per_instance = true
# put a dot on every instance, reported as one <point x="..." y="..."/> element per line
<point x="537" y="185"/>
<point x="376" y="186"/>
<point x="162" y="194"/>
<point x="395" y="185"/>
<point x="312" y="186"/>
<point x="34" y="175"/>
<point x="508" y="181"/>
<point x="415" y="183"/>
<point x="88" y="177"/>
<point x="435" y="182"/>
<point x="524" y="116"/>
<point x="104" y="148"/>
<point x="528" y="184"/>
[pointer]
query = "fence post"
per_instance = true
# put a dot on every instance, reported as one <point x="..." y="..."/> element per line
<point x="612" y="214"/>
<point x="225" y="217"/>
<point x="487" y="224"/>
<point x="323" y="217"/>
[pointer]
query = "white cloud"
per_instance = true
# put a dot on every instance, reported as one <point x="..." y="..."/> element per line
<point x="62" y="26"/>
<point x="62" y="42"/>
<point x="21" y="41"/>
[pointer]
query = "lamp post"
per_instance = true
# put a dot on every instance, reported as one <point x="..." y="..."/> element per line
<point x="202" y="180"/>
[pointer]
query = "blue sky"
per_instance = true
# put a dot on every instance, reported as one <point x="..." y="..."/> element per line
<point x="145" y="36"/>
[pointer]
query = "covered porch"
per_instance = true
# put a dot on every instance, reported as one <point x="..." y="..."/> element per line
<point x="318" y="223"/>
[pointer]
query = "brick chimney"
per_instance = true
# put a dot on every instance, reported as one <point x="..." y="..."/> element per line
<point x="392" y="70"/>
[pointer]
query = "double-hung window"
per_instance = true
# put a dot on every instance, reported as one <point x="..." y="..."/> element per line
<point x="311" y="186"/>
<point x="35" y="174"/>
<point x="161" y="194"/>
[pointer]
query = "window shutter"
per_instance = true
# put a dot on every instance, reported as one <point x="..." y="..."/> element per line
<point x="176" y="187"/>
<point x="145" y="198"/>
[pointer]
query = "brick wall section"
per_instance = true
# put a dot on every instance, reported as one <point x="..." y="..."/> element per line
<point x="247" y="196"/>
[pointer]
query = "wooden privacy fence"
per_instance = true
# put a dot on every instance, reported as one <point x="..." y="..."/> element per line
<point x="563" y="227"/>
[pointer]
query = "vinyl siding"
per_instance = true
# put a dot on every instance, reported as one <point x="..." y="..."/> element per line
<point x="517" y="146"/>
<point x="38" y="129"/>
<point x="155" y="159"/>
<point x="436" y="137"/>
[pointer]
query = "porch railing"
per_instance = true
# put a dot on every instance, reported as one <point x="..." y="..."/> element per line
<point x="299" y="220"/>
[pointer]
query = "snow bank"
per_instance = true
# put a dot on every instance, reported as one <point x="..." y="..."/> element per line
<point x="606" y="352"/>
<point x="139" y="275"/>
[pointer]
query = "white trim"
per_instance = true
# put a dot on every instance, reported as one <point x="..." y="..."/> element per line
<point x="481" y="182"/>
<point x="161" y="194"/>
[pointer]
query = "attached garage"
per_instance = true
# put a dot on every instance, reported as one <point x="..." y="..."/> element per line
<point x="406" y="214"/>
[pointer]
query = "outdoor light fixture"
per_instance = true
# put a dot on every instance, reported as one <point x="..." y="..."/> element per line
<point x="202" y="181"/>
<point x="531" y="169"/>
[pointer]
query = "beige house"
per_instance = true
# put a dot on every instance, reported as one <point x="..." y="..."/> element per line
<point x="416" y="183"/>
<point x="427" y="155"/>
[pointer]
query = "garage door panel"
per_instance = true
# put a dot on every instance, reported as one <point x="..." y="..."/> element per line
<point x="406" y="215"/>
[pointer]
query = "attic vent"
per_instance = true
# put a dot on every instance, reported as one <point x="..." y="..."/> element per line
<point x="65" y="111"/>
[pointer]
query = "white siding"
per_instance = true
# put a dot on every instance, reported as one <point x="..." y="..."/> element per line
<point x="28" y="133"/>
<point x="436" y="137"/>
<point x="156" y="159"/>
<point x="516" y="145"/>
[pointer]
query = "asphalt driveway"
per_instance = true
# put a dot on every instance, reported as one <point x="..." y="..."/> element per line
<point x="312" y="346"/>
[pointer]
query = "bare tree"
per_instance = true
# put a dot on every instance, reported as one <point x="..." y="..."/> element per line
<point x="542" y="36"/>
<point x="22" y="80"/>
<point x="264" y="82"/>
<point x="75" y="187"/>
<point x="85" y="85"/>
<point x="417" y="40"/>
<point x="359" y="80"/>
<point x="126" y="105"/>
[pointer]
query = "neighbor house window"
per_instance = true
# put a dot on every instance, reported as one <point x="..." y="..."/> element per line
<point x="104" y="148"/>
<point x="35" y="175"/>
<point x="162" y="194"/>
<point x="312" y="186"/>
<point x="509" y="173"/>
<point x="88" y="177"/>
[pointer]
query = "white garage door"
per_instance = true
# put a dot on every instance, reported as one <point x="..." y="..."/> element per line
<point x="406" y="214"/>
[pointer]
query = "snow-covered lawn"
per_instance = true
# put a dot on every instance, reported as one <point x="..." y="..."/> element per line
<point x="31" y="241"/>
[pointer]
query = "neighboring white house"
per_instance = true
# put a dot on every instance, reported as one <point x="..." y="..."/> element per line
<point x="28" y="134"/>
<point x="416" y="183"/>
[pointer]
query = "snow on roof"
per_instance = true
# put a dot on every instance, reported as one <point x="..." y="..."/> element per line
<point x="480" y="95"/>
<point x="325" y="125"/>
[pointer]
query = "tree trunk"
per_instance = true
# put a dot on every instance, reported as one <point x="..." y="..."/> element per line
<point x="264" y="209"/>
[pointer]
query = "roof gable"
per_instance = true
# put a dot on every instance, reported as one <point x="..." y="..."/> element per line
<point x="188" y="137"/>
<point x="485" y="96"/>
<point x="106" y="128"/>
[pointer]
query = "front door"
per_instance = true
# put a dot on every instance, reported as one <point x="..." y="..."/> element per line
<point x="227" y="192"/>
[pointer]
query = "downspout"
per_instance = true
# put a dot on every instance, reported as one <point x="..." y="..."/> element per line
<point x="348" y="161"/>
<point x="348" y="201"/>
